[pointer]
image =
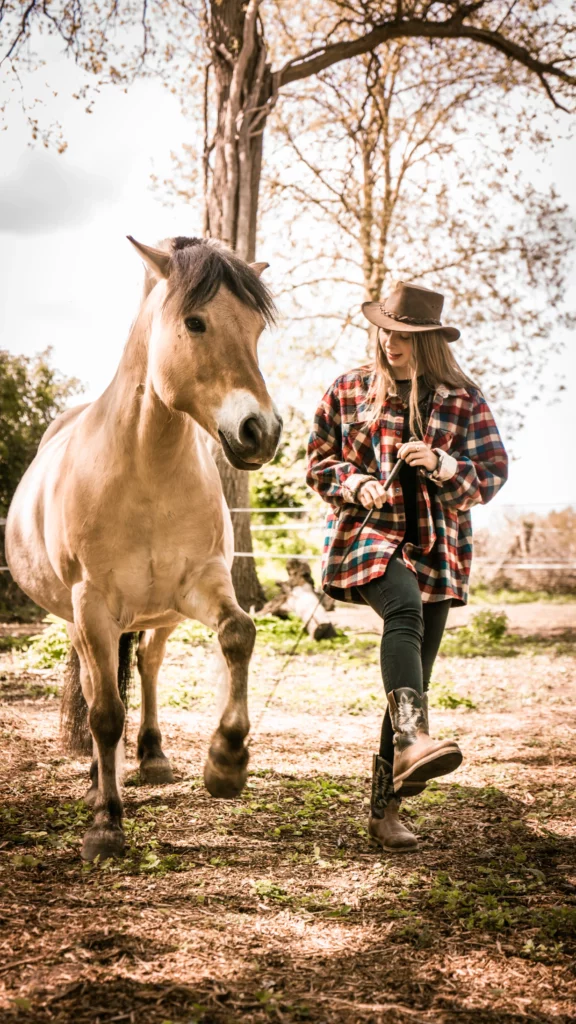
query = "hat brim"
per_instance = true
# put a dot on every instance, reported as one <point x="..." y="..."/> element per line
<point x="373" y="313"/>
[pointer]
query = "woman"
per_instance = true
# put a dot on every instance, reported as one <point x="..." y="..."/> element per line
<point x="405" y="551"/>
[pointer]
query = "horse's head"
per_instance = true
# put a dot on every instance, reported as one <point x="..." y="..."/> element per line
<point x="208" y="308"/>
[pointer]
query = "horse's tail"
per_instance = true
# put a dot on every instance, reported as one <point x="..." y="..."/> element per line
<point x="74" y="727"/>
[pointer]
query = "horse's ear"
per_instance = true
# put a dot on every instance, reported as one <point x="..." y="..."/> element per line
<point x="259" y="268"/>
<point x="156" y="259"/>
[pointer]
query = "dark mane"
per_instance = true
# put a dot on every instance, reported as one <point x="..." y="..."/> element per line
<point x="200" y="266"/>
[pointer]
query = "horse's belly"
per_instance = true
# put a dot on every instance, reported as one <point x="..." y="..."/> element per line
<point x="141" y="585"/>
<point x="159" y="621"/>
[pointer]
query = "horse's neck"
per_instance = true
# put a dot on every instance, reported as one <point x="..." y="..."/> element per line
<point x="136" y="422"/>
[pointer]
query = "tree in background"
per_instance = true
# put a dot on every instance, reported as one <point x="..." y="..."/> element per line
<point x="404" y="164"/>
<point x="32" y="393"/>
<point x="234" y="58"/>
<point x="281" y="483"/>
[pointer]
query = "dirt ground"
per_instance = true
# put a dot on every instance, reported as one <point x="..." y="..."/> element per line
<point x="275" y="907"/>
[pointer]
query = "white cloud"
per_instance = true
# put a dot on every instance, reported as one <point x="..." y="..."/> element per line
<point x="45" y="192"/>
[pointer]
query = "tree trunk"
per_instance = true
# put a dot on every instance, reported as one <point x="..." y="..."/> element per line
<point x="236" y="486"/>
<point x="243" y="85"/>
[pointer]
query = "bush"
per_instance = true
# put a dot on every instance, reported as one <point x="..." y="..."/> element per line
<point x="490" y="625"/>
<point x="48" y="649"/>
<point x="32" y="394"/>
<point x="486" y="635"/>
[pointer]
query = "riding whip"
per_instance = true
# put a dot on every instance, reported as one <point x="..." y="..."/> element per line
<point x="392" y="477"/>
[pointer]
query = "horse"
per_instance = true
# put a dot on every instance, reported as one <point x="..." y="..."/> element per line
<point x="120" y="526"/>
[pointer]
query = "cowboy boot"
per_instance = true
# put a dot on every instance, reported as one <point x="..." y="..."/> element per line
<point x="384" y="824"/>
<point x="417" y="758"/>
<point x="408" y="788"/>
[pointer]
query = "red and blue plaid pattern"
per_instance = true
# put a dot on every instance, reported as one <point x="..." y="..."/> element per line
<point x="345" y="443"/>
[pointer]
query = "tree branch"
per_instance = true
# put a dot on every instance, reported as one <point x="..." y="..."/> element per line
<point x="454" y="28"/>
<point x="23" y="29"/>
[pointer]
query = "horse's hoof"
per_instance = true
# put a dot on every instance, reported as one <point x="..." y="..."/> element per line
<point x="225" y="779"/>
<point x="104" y="843"/>
<point x="91" y="796"/>
<point x="156" y="771"/>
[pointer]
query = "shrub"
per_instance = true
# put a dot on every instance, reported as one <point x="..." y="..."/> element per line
<point x="486" y="635"/>
<point x="48" y="649"/>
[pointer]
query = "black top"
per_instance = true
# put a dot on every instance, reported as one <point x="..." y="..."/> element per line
<point x="408" y="476"/>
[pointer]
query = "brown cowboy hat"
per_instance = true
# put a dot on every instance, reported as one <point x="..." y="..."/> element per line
<point x="410" y="308"/>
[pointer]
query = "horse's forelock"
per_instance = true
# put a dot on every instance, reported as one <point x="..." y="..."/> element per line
<point x="199" y="267"/>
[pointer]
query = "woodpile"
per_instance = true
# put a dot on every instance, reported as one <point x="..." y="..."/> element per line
<point x="298" y="596"/>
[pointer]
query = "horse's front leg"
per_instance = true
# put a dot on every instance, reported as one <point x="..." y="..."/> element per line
<point x="98" y="635"/>
<point x="213" y="602"/>
<point x="155" y="767"/>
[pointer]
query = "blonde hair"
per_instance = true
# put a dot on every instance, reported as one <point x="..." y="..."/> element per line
<point x="432" y="359"/>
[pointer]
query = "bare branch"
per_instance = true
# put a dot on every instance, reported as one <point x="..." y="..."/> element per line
<point x="22" y="29"/>
<point x="453" y="28"/>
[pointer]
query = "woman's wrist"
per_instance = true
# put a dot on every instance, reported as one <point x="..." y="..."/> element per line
<point x="351" y="488"/>
<point x="446" y="468"/>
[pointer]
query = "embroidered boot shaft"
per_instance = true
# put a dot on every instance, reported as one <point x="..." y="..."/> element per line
<point x="384" y="824"/>
<point x="417" y="758"/>
<point x="382" y="786"/>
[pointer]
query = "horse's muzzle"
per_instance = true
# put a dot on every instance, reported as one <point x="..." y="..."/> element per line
<point x="256" y="441"/>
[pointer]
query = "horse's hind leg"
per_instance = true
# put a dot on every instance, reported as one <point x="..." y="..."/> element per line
<point x="86" y="686"/>
<point x="213" y="602"/>
<point x="155" y="767"/>
<point x="97" y="634"/>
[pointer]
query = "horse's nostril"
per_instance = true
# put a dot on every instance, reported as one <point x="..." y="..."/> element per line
<point x="250" y="434"/>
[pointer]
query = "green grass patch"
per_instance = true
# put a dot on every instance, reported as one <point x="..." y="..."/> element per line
<point x="192" y="632"/>
<point x="481" y="594"/>
<point x="281" y="635"/>
<point x="61" y="826"/>
<point x="185" y="696"/>
<point x="364" y="704"/>
<point x="444" y="695"/>
<point x="268" y="889"/>
<point x="494" y="901"/>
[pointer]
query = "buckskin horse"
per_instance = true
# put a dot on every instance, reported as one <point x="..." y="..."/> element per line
<point x="120" y="525"/>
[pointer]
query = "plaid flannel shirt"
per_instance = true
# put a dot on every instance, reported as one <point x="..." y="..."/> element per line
<point x="345" y="450"/>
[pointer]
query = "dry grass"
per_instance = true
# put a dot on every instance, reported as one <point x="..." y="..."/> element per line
<point x="274" y="907"/>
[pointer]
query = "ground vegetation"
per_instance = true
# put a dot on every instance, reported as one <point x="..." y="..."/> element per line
<point x="274" y="907"/>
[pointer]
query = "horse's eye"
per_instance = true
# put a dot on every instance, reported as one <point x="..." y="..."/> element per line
<point x="195" y="324"/>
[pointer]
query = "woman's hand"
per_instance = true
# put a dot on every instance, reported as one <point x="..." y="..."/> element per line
<point x="416" y="453"/>
<point x="372" y="494"/>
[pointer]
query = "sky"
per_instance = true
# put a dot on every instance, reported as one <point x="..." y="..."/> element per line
<point x="70" y="280"/>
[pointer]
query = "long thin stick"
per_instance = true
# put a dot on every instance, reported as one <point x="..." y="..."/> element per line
<point x="290" y="654"/>
<point x="395" y="471"/>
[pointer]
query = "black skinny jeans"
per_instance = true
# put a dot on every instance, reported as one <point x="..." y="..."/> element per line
<point x="412" y="634"/>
